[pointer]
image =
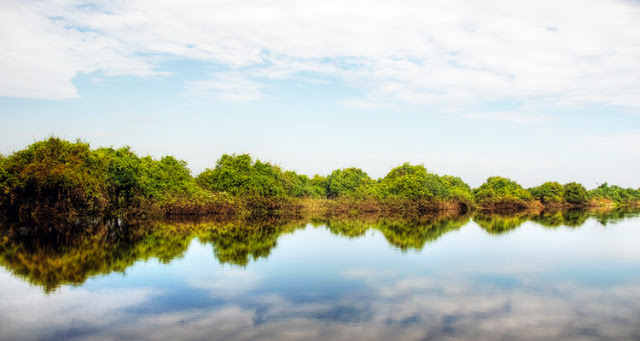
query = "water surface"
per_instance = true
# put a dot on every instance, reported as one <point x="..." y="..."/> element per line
<point x="562" y="275"/>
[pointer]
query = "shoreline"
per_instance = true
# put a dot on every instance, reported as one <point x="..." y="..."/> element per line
<point x="322" y="207"/>
<point x="55" y="177"/>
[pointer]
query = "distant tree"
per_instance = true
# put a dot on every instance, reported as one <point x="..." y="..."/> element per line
<point x="614" y="193"/>
<point x="318" y="186"/>
<point x="348" y="182"/>
<point x="548" y="192"/>
<point x="54" y="175"/>
<point x="497" y="188"/>
<point x="575" y="193"/>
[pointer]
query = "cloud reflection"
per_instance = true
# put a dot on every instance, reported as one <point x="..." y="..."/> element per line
<point x="28" y="314"/>
<point x="429" y="296"/>
<point x="408" y="308"/>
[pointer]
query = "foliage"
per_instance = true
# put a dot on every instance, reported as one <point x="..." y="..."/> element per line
<point x="575" y="193"/>
<point x="548" y="192"/>
<point x="349" y="182"/>
<point x="57" y="176"/>
<point x="614" y="193"/>
<point x="4" y="177"/>
<point x="132" y="178"/>
<point x="415" y="183"/>
<point x="497" y="188"/>
<point x="457" y="189"/>
<point x="241" y="176"/>
<point x="53" y="175"/>
<point x="318" y="186"/>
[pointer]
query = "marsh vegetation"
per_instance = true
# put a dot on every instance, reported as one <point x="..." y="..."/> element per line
<point x="58" y="177"/>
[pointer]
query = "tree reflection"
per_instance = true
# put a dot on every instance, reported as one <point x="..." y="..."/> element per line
<point x="402" y="231"/>
<point x="499" y="223"/>
<point x="49" y="253"/>
<point x="237" y="242"/>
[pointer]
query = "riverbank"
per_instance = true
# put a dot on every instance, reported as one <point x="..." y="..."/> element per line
<point x="55" y="177"/>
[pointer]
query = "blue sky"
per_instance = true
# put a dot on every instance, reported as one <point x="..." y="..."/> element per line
<point x="533" y="91"/>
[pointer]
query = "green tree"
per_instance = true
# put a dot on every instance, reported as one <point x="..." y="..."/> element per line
<point x="497" y="188"/>
<point x="318" y="186"/>
<point x="54" y="175"/>
<point x="231" y="174"/>
<point x="575" y="193"/>
<point x="412" y="182"/>
<point x="548" y="192"/>
<point x="348" y="182"/>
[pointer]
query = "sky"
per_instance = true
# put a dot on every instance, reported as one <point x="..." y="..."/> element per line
<point x="531" y="90"/>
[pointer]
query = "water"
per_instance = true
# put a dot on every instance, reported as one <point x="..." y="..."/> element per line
<point x="572" y="275"/>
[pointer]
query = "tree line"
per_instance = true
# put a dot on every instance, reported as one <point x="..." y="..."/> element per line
<point x="55" y="176"/>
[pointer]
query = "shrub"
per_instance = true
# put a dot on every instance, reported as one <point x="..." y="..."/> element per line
<point x="239" y="175"/>
<point x="415" y="182"/>
<point x="318" y="186"/>
<point x="497" y="188"/>
<point x="54" y="175"/>
<point x="575" y="193"/>
<point x="614" y="193"/>
<point x="548" y="192"/>
<point x="348" y="182"/>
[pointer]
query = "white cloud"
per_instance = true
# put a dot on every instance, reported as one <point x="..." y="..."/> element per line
<point x="409" y="309"/>
<point x="28" y="314"/>
<point x="228" y="282"/>
<point x="446" y="53"/>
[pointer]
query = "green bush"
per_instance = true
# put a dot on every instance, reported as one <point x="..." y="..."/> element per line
<point x="575" y="193"/>
<point x="4" y="177"/>
<point x="54" y="175"/>
<point x="415" y="183"/>
<point x="133" y="180"/>
<point x="614" y="193"/>
<point x="349" y="183"/>
<point x="240" y="175"/>
<point x="57" y="176"/>
<point x="457" y="188"/>
<point x="548" y="192"/>
<point x="497" y="188"/>
<point x="318" y="186"/>
<point x="411" y="182"/>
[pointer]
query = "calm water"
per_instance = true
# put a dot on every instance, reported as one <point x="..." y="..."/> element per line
<point x="572" y="275"/>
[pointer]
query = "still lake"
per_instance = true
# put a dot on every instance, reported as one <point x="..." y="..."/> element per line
<point x="557" y="275"/>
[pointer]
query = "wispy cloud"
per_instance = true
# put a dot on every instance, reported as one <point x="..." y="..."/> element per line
<point x="445" y="53"/>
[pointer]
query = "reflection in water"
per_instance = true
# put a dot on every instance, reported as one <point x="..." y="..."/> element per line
<point x="499" y="223"/>
<point x="502" y="223"/>
<point x="222" y="279"/>
<point x="404" y="232"/>
<point x="50" y="254"/>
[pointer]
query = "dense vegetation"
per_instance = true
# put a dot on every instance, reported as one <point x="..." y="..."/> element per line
<point x="55" y="176"/>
